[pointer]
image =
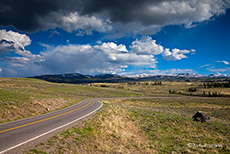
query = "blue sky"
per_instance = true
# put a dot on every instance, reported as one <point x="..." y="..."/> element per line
<point x="152" y="37"/>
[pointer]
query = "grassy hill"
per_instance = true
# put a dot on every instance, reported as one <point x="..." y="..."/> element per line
<point x="24" y="97"/>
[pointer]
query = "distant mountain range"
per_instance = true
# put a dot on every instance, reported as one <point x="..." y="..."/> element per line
<point x="113" y="78"/>
<point x="183" y="75"/>
<point x="79" y="78"/>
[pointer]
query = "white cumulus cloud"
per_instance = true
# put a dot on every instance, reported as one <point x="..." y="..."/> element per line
<point x="15" y="42"/>
<point x="146" y="46"/>
<point x="107" y="57"/>
<point x="175" y="54"/>
<point x="93" y="59"/>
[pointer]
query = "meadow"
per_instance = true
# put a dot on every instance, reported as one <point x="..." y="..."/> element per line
<point x="153" y="125"/>
<point x="147" y="126"/>
<point x="22" y="97"/>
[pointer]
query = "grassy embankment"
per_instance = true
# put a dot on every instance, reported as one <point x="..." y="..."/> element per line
<point x="21" y="98"/>
<point x="148" y="126"/>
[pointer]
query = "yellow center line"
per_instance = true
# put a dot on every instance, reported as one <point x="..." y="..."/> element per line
<point x="35" y="122"/>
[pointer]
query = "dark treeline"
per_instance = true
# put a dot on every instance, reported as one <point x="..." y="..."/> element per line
<point x="216" y="85"/>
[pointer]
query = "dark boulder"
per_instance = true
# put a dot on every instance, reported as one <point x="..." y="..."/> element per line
<point x="201" y="116"/>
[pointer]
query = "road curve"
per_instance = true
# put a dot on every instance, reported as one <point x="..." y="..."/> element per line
<point x="16" y="134"/>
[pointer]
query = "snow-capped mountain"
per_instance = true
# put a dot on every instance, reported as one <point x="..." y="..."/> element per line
<point x="79" y="78"/>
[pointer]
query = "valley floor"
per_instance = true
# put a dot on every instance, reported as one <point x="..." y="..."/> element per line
<point x="159" y="125"/>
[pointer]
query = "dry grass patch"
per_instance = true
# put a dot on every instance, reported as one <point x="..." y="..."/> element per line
<point x="32" y="107"/>
<point x="50" y="104"/>
<point x="110" y="131"/>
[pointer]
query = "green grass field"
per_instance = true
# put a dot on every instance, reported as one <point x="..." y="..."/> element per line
<point x="21" y="98"/>
<point x="144" y="126"/>
<point x="157" y="125"/>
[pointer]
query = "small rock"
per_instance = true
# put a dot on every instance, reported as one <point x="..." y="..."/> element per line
<point x="201" y="116"/>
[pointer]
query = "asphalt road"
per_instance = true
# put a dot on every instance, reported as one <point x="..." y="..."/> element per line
<point x="17" y="133"/>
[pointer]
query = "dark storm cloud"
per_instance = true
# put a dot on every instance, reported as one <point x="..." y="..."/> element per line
<point x="24" y="14"/>
<point x="157" y="12"/>
<point x="33" y="15"/>
<point x="123" y="10"/>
